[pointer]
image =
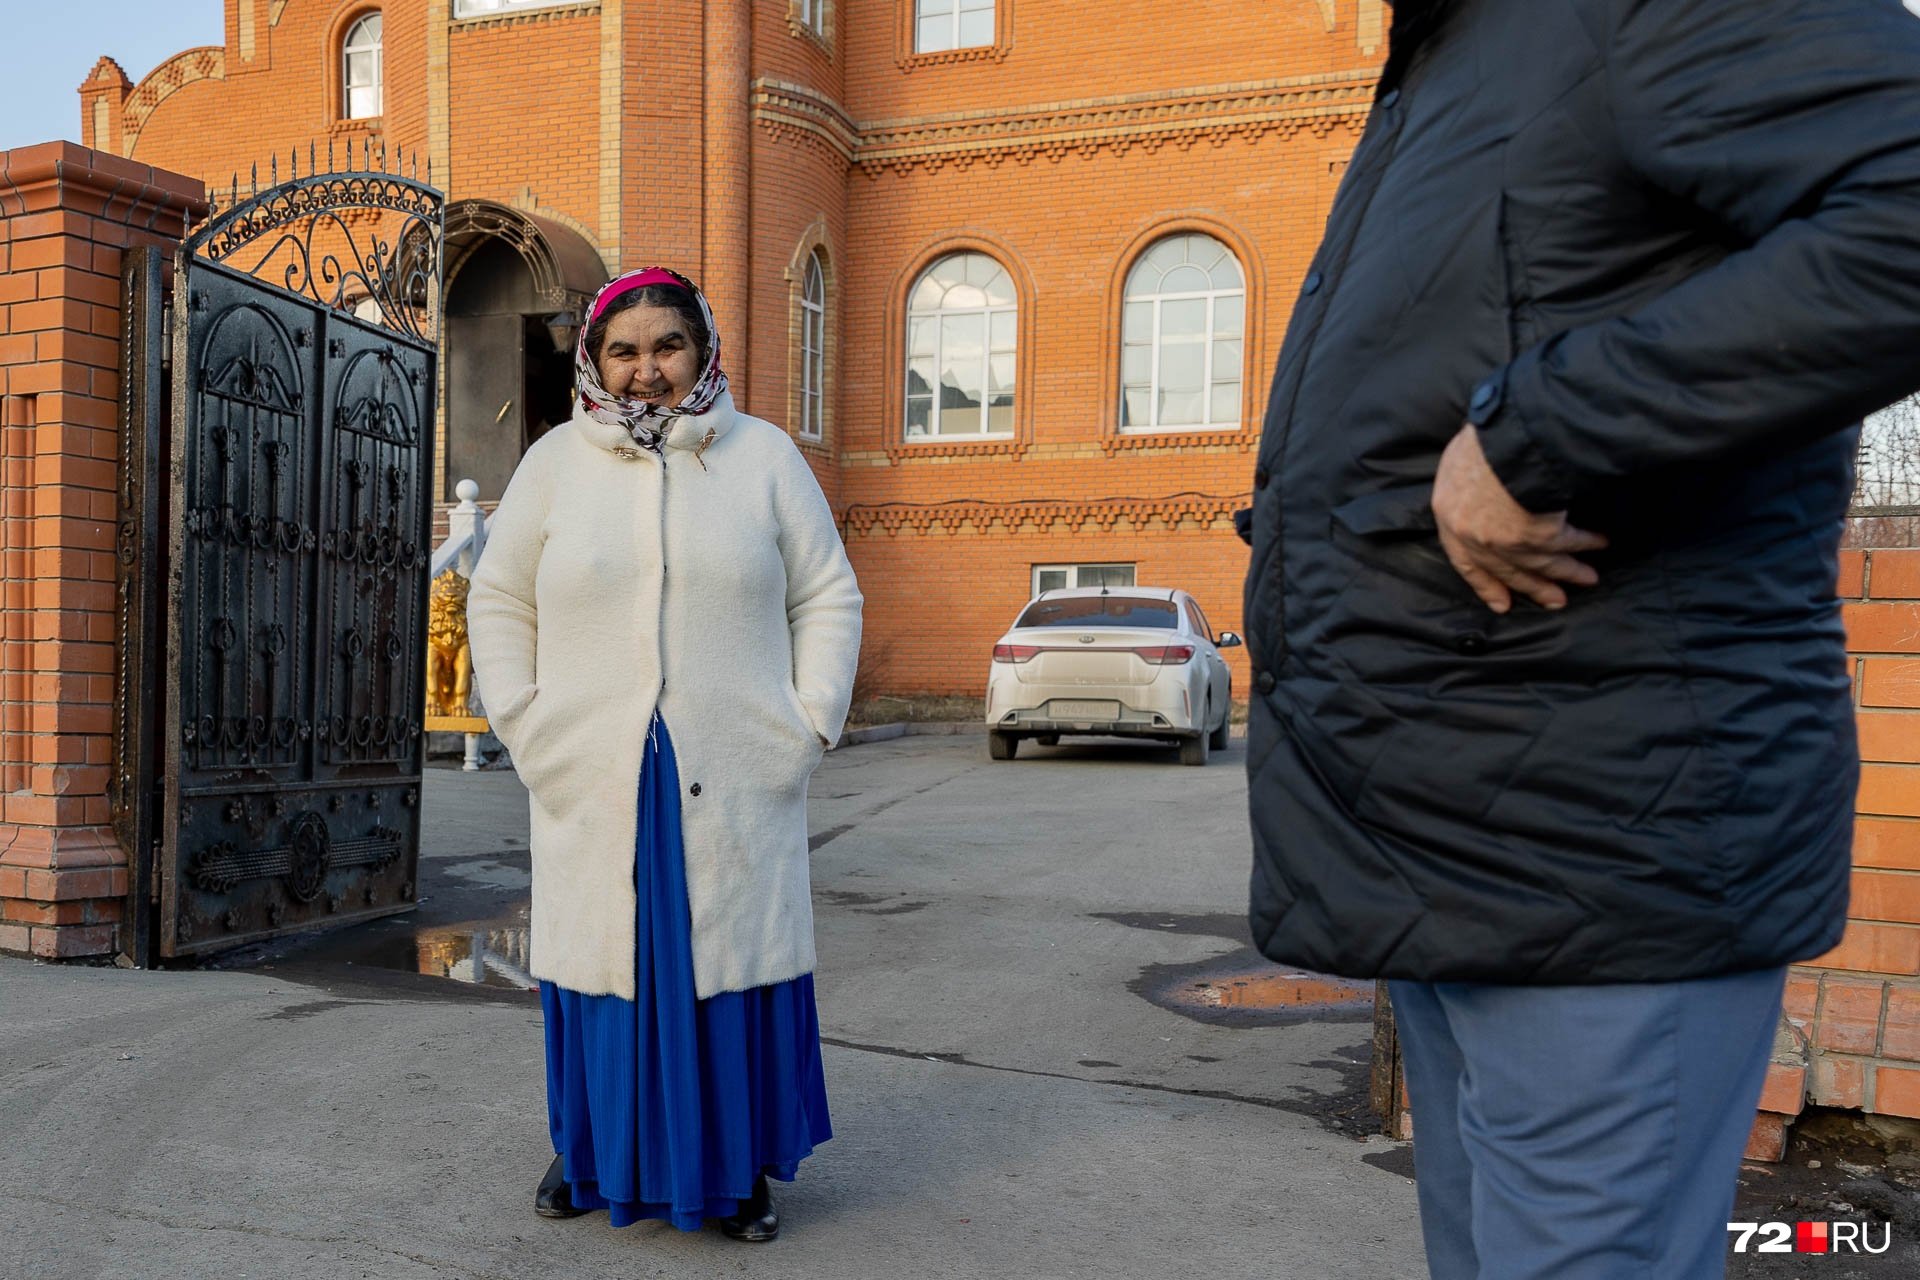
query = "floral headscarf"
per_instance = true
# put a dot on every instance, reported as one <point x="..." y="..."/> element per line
<point x="644" y="421"/>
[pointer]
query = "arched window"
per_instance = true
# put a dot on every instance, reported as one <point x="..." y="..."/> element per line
<point x="1181" y="337"/>
<point x="362" y="73"/>
<point x="813" y="350"/>
<point x="960" y="343"/>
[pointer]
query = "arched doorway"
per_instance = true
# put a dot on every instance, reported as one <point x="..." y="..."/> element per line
<point x="517" y="286"/>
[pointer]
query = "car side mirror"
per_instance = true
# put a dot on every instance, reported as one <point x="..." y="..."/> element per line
<point x="1228" y="640"/>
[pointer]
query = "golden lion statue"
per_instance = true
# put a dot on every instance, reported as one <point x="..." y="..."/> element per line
<point x="449" y="660"/>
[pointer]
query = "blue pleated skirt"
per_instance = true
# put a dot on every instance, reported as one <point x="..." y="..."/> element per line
<point x="667" y="1106"/>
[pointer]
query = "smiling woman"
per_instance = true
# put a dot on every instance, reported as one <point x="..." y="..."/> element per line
<point x="664" y="600"/>
<point x="650" y="345"/>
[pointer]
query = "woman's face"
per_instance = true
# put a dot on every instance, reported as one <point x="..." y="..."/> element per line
<point x="649" y="356"/>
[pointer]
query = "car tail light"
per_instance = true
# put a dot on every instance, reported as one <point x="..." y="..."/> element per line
<point x="1015" y="652"/>
<point x="1171" y="655"/>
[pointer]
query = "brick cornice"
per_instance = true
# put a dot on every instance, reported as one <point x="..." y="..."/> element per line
<point x="1317" y="104"/>
<point x="800" y="114"/>
<point x="1040" y="517"/>
<point x="65" y="174"/>
<point x="1182" y="117"/>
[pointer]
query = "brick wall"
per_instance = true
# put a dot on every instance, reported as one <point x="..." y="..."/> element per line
<point x="1850" y="1036"/>
<point x="66" y="217"/>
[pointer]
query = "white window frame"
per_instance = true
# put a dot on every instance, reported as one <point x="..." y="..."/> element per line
<point x="813" y="16"/>
<point x="377" y="47"/>
<point x="925" y="11"/>
<point x="987" y="353"/>
<point x="1073" y="575"/>
<point x="1213" y="298"/>
<point x="494" y="8"/>
<point x="813" y="349"/>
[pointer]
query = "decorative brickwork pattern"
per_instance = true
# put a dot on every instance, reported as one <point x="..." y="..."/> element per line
<point x="67" y="216"/>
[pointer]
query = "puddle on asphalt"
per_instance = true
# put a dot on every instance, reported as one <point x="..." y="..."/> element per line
<point x="490" y="953"/>
<point x="494" y="956"/>
<point x="1241" y="988"/>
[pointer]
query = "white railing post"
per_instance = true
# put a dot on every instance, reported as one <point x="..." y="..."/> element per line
<point x="467" y="527"/>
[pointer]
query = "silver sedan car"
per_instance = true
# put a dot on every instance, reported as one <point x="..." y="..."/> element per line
<point x="1129" y="661"/>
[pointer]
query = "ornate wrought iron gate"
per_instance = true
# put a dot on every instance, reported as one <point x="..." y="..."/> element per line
<point x="269" y="718"/>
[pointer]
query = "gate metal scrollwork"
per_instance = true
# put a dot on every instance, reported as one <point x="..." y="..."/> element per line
<point x="293" y="670"/>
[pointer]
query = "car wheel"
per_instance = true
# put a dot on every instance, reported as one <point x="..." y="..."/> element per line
<point x="1002" y="746"/>
<point x="1221" y="735"/>
<point x="1048" y="739"/>
<point x="1194" y="750"/>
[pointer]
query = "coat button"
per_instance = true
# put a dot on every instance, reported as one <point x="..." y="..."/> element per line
<point x="1260" y="477"/>
<point x="694" y="789"/>
<point x="1471" y="643"/>
<point x="1264" y="682"/>
<point x="1311" y="285"/>
<point x="1388" y="99"/>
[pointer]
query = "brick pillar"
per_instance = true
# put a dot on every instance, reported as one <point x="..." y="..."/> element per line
<point x="66" y="216"/>
<point x="727" y="169"/>
<point x="103" y="107"/>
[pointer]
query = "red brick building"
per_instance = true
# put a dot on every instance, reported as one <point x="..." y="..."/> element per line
<point x="1014" y="279"/>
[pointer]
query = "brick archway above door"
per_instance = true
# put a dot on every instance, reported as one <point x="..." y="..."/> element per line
<point x="518" y="288"/>
<point x="566" y="269"/>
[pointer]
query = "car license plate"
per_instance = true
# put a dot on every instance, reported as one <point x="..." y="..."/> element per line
<point x="1063" y="710"/>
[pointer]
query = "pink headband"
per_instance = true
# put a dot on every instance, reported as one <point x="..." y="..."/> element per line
<point x="637" y="280"/>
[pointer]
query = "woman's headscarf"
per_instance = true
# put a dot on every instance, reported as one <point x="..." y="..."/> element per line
<point x="641" y="419"/>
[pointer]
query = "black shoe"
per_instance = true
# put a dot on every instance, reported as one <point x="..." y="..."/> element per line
<point x="756" y="1222"/>
<point x="555" y="1198"/>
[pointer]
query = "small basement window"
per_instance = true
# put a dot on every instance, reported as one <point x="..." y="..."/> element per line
<point x="1064" y="577"/>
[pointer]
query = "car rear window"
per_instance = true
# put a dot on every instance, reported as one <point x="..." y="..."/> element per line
<point x="1100" y="611"/>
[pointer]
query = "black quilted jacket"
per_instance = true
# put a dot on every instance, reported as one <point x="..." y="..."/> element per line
<point x="1666" y="253"/>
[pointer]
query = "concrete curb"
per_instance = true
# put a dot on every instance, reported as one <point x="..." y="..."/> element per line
<point x="906" y="729"/>
<point x="934" y="728"/>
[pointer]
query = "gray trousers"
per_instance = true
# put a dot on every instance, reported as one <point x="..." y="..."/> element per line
<point x="1583" y="1133"/>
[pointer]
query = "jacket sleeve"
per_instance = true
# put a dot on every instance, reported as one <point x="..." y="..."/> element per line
<point x="501" y="620"/>
<point x="823" y="599"/>
<point x="1793" y="126"/>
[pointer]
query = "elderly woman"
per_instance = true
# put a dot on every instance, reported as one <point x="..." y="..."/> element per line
<point x="664" y="563"/>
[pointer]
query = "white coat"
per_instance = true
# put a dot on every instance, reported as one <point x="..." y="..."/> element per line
<point x="712" y="585"/>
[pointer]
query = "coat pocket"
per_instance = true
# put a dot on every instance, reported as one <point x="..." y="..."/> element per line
<point x="534" y="741"/>
<point x="803" y="722"/>
<point x="1395" y="567"/>
<point x="1389" y="512"/>
<point x="505" y="722"/>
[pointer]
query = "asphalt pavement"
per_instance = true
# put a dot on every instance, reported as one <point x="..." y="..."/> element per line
<point x="1032" y="1067"/>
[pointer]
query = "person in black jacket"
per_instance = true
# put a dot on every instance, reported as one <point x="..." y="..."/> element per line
<point x="1552" y="717"/>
